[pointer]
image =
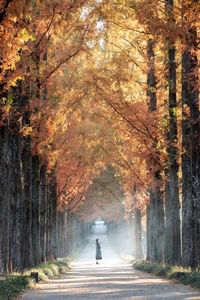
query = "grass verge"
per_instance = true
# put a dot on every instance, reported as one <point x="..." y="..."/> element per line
<point x="11" y="286"/>
<point x="178" y="273"/>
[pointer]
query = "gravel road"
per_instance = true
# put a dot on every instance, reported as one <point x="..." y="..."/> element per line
<point x="111" y="279"/>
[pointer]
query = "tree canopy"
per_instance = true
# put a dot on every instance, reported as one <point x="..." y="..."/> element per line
<point x="103" y="84"/>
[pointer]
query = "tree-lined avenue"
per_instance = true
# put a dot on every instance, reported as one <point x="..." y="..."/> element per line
<point x="99" y="116"/>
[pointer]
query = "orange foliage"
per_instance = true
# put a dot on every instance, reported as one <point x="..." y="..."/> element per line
<point x="85" y="63"/>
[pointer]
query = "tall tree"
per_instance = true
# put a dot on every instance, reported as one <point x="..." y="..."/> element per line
<point x="155" y="211"/>
<point x="190" y="141"/>
<point x="172" y="206"/>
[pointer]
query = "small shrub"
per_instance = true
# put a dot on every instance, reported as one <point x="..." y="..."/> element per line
<point x="48" y="272"/>
<point x="162" y="270"/>
<point x="11" y="286"/>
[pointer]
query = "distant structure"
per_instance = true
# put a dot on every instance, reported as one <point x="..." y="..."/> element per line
<point x="99" y="227"/>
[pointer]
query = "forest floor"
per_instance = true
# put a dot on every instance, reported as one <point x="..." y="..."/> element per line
<point x="111" y="279"/>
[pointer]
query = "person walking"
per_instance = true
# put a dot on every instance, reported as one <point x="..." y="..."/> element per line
<point x="98" y="251"/>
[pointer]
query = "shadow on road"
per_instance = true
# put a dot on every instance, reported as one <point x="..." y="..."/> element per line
<point x="112" y="279"/>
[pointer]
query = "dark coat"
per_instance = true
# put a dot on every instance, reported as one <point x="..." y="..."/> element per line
<point x="98" y="250"/>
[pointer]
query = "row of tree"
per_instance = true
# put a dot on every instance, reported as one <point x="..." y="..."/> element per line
<point x="87" y="83"/>
<point x="34" y="226"/>
<point x="158" y="41"/>
<point x="32" y="230"/>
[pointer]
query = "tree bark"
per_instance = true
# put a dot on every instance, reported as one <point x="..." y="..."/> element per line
<point x="172" y="205"/>
<point x="5" y="198"/>
<point x="190" y="156"/>
<point x="155" y="211"/>
<point x="43" y="212"/>
<point x="35" y="211"/>
<point x="17" y="200"/>
<point x="53" y="217"/>
<point x="138" y="234"/>
<point x="148" y="224"/>
<point x="26" y="237"/>
<point x="26" y="241"/>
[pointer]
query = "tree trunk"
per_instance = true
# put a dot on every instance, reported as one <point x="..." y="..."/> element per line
<point x="35" y="211"/>
<point x="51" y="220"/>
<point x="48" y="227"/>
<point x="60" y="233"/>
<point x="148" y="256"/>
<point x="5" y="198"/>
<point x="138" y="234"/>
<point x="190" y="156"/>
<point x="26" y="241"/>
<point x="16" y="203"/>
<point x="155" y="212"/>
<point x="43" y="212"/>
<point x="53" y="199"/>
<point x="67" y="229"/>
<point x="172" y="206"/>
<point x="156" y="220"/>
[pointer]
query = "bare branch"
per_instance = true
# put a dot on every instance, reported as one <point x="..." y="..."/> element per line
<point x="75" y="102"/>
<point x="129" y="28"/>
<point x="124" y="117"/>
<point x="80" y="199"/>
<point x="66" y="59"/>
<point x="58" y="66"/>
<point x="48" y="28"/>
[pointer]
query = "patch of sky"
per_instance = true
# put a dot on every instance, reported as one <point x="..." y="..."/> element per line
<point x="101" y="42"/>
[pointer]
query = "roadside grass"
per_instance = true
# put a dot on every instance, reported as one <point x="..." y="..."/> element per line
<point x="178" y="273"/>
<point x="15" y="283"/>
<point x="12" y="285"/>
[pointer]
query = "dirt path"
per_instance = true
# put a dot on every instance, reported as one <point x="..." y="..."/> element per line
<point x="111" y="279"/>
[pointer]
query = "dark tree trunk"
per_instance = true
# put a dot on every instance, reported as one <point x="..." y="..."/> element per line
<point x="190" y="156"/>
<point x="53" y="217"/>
<point x="17" y="202"/>
<point x="51" y="240"/>
<point x="172" y="205"/>
<point x="155" y="212"/>
<point x="26" y="241"/>
<point x="48" y="227"/>
<point x="5" y="199"/>
<point x="148" y="224"/>
<point x="156" y="220"/>
<point x="26" y="237"/>
<point x="43" y="212"/>
<point x="35" y="211"/>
